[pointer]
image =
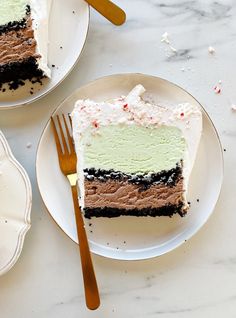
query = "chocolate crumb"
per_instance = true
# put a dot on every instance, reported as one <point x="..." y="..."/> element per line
<point x="5" y="221"/>
<point x="36" y="80"/>
<point x="107" y="243"/>
<point x="90" y="224"/>
<point x="124" y="242"/>
<point x="224" y="150"/>
<point x="53" y="65"/>
<point x="15" y="84"/>
<point x="61" y="47"/>
<point x="91" y="231"/>
<point x="197" y="200"/>
<point x="3" y="90"/>
<point x="73" y="12"/>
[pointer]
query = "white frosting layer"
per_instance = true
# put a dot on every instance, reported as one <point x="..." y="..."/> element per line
<point x="40" y="10"/>
<point x="88" y="116"/>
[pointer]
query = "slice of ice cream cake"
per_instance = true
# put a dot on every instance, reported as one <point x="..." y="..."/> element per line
<point x="134" y="157"/>
<point x="23" y="40"/>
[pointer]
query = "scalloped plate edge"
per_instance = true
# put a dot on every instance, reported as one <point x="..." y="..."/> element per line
<point x="27" y="212"/>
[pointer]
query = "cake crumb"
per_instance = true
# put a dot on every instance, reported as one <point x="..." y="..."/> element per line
<point x="211" y="50"/>
<point x="29" y="145"/>
<point x="217" y="89"/>
<point x="15" y="84"/>
<point x="173" y="49"/>
<point x="165" y="38"/>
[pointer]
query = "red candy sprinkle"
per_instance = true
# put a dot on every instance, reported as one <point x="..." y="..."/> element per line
<point x="182" y="114"/>
<point x="95" y="124"/>
<point x="125" y="107"/>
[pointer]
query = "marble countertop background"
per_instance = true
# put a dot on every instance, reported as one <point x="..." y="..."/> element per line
<point x="198" y="279"/>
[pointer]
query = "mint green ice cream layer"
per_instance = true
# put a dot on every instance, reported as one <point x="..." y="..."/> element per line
<point x="134" y="149"/>
<point x="12" y="10"/>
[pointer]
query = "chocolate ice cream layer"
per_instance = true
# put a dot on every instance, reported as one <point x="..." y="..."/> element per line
<point x="18" y="45"/>
<point x="124" y="195"/>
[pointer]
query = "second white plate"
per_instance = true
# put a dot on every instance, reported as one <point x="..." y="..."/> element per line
<point x="131" y="238"/>
<point x="68" y="27"/>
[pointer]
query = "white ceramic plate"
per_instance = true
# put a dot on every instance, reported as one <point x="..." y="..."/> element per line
<point x="15" y="207"/>
<point x="68" y="27"/>
<point x="131" y="238"/>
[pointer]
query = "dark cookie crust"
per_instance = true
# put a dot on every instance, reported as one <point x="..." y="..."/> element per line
<point x="167" y="177"/>
<point x="167" y="210"/>
<point x="21" y="70"/>
<point x="15" y="25"/>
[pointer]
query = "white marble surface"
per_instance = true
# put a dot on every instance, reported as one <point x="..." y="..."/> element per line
<point x="197" y="279"/>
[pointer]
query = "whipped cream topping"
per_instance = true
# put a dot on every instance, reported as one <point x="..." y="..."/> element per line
<point x="129" y="110"/>
<point x="40" y="10"/>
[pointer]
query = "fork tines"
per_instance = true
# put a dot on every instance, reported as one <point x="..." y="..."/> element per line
<point x="62" y="134"/>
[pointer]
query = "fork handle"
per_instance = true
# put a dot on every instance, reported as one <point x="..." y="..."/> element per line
<point x="90" y="283"/>
<point x="109" y="10"/>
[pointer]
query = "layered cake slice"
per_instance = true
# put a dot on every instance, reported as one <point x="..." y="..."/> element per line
<point x="23" y="40"/>
<point x="134" y="157"/>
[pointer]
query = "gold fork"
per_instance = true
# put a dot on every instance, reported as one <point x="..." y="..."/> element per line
<point x="67" y="161"/>
<point x="109" y="10"/>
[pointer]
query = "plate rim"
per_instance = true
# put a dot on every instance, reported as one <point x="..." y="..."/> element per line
<point x="34" y="99"/>
<point x="206" y="114"/>
<point x="27" y="213"/>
